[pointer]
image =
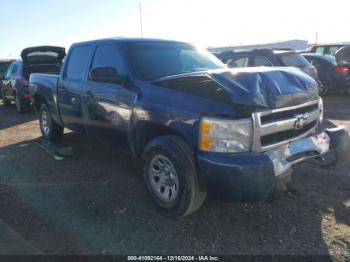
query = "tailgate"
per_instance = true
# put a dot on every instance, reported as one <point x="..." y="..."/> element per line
<point x="43" y="55"/>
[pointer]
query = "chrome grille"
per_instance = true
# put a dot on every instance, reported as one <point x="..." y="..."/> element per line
<point x="273" y="128"/>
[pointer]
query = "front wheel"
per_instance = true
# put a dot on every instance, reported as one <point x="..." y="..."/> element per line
<point x="323" y="88"/>
<point x="171" y="177"/>
<point x="49" y="128"/>
<point x="6" y="101"/>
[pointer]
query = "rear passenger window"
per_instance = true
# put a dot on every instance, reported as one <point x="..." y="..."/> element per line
<point x="261" y="61"/>
<point x="78" y="62"/>
<point x="320" y="50"/>
<point x="333" y="50"/>
<point x="237" y="62"/>
<point x="108" y="56"/>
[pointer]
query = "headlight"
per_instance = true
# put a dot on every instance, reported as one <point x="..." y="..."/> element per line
<point x="320" y="106"/>
<point x="225" y="136"/>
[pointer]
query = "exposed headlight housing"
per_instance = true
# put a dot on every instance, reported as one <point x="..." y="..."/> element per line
<point x="320" y="106"/>
<point x="225" y="136"/>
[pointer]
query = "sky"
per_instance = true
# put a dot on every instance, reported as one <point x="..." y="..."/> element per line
<point x="206" y="23"/>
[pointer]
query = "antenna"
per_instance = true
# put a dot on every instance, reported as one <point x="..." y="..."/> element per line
<point x="141" y="26"/>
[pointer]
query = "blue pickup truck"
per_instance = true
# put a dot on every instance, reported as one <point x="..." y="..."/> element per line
<point x="197" y="126"/>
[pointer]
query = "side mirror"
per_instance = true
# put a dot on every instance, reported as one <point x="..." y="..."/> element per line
<point x="106" y="75"/>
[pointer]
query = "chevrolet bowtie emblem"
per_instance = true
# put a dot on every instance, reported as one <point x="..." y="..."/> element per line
<point x="301" y="121"/>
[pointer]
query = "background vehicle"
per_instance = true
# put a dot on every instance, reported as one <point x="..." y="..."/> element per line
<point x="4" y="65"/>
<point x="334" y="77"/>
<point x="198" y="127"/>
<point x="328" y="49"/>
<point x="44" y="59"/>
<point x="270" y="57"/>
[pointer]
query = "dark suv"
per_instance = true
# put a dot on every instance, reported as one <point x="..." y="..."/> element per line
<point x="4" y="65"/>
<point x="41" y="59"/>
<point x="329" y="49"/>
<point x="269" y="57"/>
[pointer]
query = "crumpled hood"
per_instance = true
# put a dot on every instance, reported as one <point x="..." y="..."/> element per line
<point x="259" y="87"/>
<point x="268" y="87"/>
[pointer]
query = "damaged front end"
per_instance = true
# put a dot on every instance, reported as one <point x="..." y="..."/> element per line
<point x="288" y="136"/>
<point x="330" y="147"/>
<point x="284" y="133"/>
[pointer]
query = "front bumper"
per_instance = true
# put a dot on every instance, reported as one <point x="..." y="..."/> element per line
<point x="250" y="177"/>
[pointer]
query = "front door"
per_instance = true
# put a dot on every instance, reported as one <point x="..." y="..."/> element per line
<point x="109" y="106"/>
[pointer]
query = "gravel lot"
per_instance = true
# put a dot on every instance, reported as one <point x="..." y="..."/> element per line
<point x="95" y="202"/>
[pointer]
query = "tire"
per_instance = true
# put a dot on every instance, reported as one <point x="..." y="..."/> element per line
<point x="324" y="89"/>
<point x="49" y="128"/>
<point x="20" y="106"/>
<point x="4" y="99"/>
<point x="182" y="179"/>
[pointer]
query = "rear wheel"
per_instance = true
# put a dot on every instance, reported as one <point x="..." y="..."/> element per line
<point x="171" y="178"/>
<point x="49" y="128"/>
<point x="20" y="106"/>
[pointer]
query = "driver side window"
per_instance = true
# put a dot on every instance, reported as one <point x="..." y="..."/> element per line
<point x="108" y="56"/>
<point x="190" y="60"/>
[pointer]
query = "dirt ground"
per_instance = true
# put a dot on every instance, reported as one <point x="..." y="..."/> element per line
<point x="95" y="203"/>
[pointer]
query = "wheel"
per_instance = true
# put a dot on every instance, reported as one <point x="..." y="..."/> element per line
<point x="20" y="106"/>
<point x="323" y="88"/>
<point x="49" y="128"/>
<point x="4" y="99"/>
<point x="171" y="178"/>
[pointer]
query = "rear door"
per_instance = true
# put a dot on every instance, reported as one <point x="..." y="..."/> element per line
<point x="72" y="86"/>
<point x="109" y="105"/>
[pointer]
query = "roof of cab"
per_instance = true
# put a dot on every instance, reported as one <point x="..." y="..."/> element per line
<point x="126" y="40"/>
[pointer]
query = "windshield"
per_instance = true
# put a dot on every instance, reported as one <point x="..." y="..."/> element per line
<point x="154" y="60"/>
<point x="295" y="60"/>
<point x="4" y="67"/>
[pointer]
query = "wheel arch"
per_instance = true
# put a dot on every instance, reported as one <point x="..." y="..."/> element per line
<point x="147" y="131"/>
<point x="37" y="101"/>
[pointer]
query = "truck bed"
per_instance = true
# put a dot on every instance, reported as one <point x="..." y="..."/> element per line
<point x="45" y="86"/>
<point x="43" y="80"/>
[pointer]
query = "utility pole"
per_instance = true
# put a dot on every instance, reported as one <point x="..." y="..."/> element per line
<point x="316" y="38"/>
<point x="141" y="25"/>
